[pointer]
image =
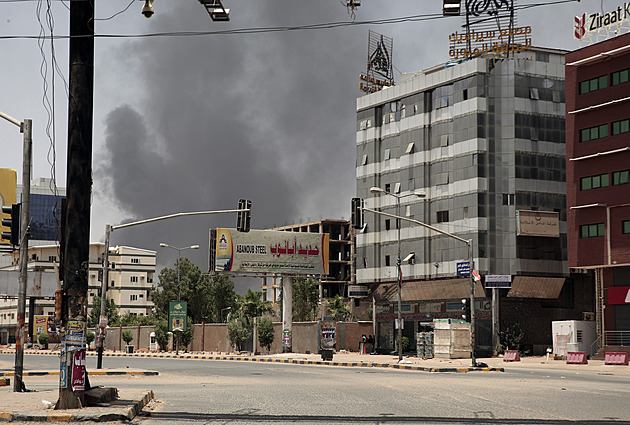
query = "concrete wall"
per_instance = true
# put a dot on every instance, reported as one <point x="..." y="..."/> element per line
<point x="212" y="337"/>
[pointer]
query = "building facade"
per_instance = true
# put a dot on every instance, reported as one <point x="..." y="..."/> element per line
<point x="598" y="173"/>
<point x="484" y="141"/>
<point x="130" y="283"/>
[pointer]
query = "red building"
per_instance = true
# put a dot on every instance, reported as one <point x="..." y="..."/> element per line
<point x="598" y="178"/>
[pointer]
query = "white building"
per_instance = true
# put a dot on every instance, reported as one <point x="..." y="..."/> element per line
<point x="130" y="283"/>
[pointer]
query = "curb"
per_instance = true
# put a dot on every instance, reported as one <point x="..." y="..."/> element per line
<point x="132" y="411"/>
<point x="432" y="369"/>
<point x="90" y="372"/>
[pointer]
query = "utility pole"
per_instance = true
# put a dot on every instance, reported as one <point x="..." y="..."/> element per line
<point x="26" y="127"/>
<point x="78" y="191"/>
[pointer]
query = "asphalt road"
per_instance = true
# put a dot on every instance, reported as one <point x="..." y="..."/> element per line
<point x="204" y="392"/>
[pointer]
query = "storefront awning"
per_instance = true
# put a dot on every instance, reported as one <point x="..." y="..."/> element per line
<point x="536" y="287"/>
<point x="427" y="290"/>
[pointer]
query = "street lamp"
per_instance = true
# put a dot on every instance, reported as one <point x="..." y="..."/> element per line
<point x="179" y="257"/>
<point x="378" y="190"/>
<point x="222" y="310"/>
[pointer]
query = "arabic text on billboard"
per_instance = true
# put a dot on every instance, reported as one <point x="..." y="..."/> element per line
<point x="269" y="251"/>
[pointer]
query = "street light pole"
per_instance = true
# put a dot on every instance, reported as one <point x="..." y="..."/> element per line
<point x="26" y="128"/>
<point x="179" y="257"/>
<point x="398" y="260"/>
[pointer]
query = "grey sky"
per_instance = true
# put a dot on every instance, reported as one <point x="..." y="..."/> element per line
<point x="195" y="123"/>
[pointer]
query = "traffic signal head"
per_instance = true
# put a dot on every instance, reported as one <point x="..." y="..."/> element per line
<point x="357" y="213"/>
<point x="451" y="8"/>
<point x="244" y="217"/>
<point x="466" y="315"/>
<point x="12" y="223"/>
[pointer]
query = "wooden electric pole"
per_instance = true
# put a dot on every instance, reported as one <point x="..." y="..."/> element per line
<point x="78" y="192"/>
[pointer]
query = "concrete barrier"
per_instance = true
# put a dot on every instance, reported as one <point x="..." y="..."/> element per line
<point x="576" y="357"/>
<point x="614" y="358"/>
<point x="511" y="356"/>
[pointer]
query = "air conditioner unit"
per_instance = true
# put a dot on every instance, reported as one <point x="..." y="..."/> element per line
<point x="588" y="315"/>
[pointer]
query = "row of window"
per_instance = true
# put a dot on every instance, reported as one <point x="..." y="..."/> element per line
<point x="600" y="131"/>
<point x="603" y="180"/>
<point x="598" y="229"/>
<point x="601" y="82"/>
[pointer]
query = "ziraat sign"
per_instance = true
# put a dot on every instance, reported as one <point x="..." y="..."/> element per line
<point x="591" y="23"/>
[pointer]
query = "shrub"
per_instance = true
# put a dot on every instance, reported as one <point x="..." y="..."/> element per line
<point x="43" y="339"/>
<point x="265" y="333"/>
<point x="127" y="336"/>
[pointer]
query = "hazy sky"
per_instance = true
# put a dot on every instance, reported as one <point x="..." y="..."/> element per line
<point x="193" y="123"/>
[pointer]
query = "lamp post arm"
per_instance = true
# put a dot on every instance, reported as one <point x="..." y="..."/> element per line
<point x="185" y="214"/>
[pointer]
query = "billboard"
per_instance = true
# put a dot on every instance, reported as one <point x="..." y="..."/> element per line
<point x="268" y="251"/>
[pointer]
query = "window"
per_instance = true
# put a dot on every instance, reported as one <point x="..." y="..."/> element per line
<point x="619" y="127"/>
<point x="397" y="188"/>
<point x="591" y="230"/>
<point x="533" y="93"/>
<point x="409" y="149"/>
<point x="133" y="297"/>
<point x="364" y="159"/>
<point x="465" y="212"/>
<point x="621" y="177"/>
<point x="387" y="262"/>
<point x="388" y="187"/>
<point x="135" y="261"/>
<point x="508" y="199"/>
<point x="133" y="279"/>
<point x="620" y="77"/>
<point x="387" y="224"/>
<point x="625" y="227"/>
<point x="442" y="216"/>
<point x="594" y="133"/>
<point x="593" y="84"/>
<point x="112" y="283"/>
<point x="140" y="295"/>
<point x="52" y="258"/>
<point x="465" y="94"/>
<point x="594" y="182"/>
<point x="387" y="154"/>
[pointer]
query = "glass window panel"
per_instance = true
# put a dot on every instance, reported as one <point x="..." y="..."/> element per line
<point x="593" y="83"/>
<point x="605" y="180"/>
<point x="626" y="227"/>
<point x="592" y="230"/>
<point x="603" y="130"/>
<point x="615" y="78"/>
<point x="594" y="133"/>
<point x="616" y="128"/>
<point x="600" y="229"/>
<point x="602" y="82"/>
<point x="596" y="182"/>
<point x="585" y="135"/>
<point x="584" y="86"/>
<point x="623" y="76"/>
<point x="625" y="126"/>
<point x="584" y="231"/>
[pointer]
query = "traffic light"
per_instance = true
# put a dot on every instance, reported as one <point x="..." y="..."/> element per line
<point x="244" y="217"/>
<point x="12" y="223"/>
<point x="357" y="213"/>
<point x="466" y="310"/>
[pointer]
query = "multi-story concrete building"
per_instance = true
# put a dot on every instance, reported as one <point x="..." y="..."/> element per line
<point x="598" y="173"/>
<point x="341" y="247"/>
<point x="484" y="141"/>
<point x="130" y="282"/>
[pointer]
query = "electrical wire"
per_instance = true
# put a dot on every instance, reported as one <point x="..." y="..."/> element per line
<point x="264" y="30"/>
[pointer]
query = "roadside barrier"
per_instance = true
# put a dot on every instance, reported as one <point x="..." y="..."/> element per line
<point x="576" y="357"/>
<point x="511" y="356"/>
<point x="614" y="358"/>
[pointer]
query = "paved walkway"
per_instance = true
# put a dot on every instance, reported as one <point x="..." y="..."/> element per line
<point x="29" y="406"/>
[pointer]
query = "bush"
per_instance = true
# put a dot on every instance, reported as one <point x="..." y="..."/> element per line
<point x="265" y="333"/>
<point x="161" y="335"/>
<point x="238" y="333"/>
<point x="127" y="336"/>
<point x="90" y="337"/>
<point x="43" y="339"/>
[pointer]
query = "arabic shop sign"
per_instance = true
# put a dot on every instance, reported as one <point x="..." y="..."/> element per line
<point x="537" y="223"/>
<point x="268" y="251"/>
<point x="380" y="70"/>
<point x="590" y="24"/>
<point x="474" y="43"/>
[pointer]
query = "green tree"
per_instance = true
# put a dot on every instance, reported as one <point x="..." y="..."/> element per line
<point x="252" y="306"/>
<point x="510" y="336"/>
<point x="185" y="338"/>
<point x="222" y="296"/>
<point x="90" y="336"/>
<point x="111" y="312"/>
<point x="161" y="334"/>
<point x="339" y="310"/>
<point x="265" y="333"/>
<point x="305" y="299"/>
<point x="238" y="333"/>
<point x="127" y="336"/>
<point x="130" y="319"/>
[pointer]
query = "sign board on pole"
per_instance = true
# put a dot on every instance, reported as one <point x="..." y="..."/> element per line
<point x="177" y="312"/>
<point x="268" y="251"/>
<point x="498" y="281"/>
<point x="76" y="334"/>
<point x="463" y="268"/>
<point x="357" y="291"/>
<point x="78" y="371"/>
<point x="328" y="330"/>
<point x="63" y="366"/>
